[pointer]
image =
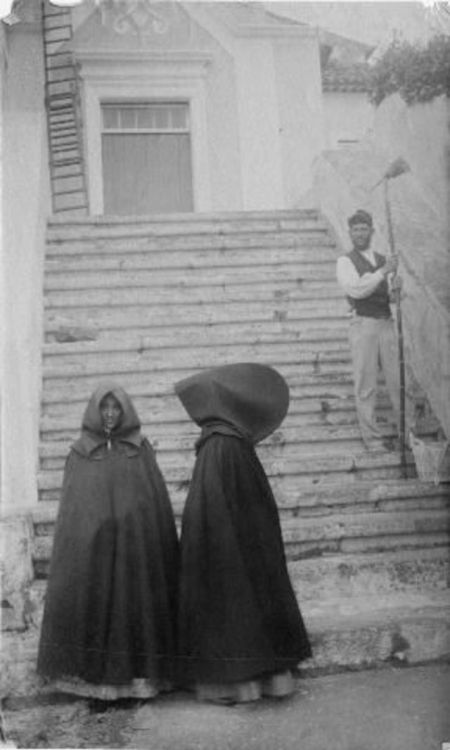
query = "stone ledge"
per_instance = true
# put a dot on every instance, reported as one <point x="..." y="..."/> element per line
<point x="373" y="631"/>
<point x="367" y="632"/>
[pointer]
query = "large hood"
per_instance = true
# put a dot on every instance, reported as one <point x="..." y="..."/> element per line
<point x="253" y="398"/>
<point x="93" y="433"/>
<point x="92" y="420"/>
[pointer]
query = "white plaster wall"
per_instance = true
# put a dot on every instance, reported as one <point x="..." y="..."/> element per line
<point x="223" y="143"/>
<point x="347" y="116"/>
<point x="299" y="98"/>
<point x="2" y="274"/>
<point x="259" y="126"/>
<point x="223" y="134"/>
<point x="421" y="135"/>
<point x="25" y="206"/>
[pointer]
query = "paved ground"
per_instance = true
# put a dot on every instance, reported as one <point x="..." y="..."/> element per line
<point x="389" y="709"/>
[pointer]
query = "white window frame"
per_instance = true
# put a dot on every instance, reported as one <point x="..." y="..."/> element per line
<point x="170" y="130"/>
<point x="146" y="79"/>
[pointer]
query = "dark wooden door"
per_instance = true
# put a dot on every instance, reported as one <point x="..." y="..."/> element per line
<point x="146" y="155"/>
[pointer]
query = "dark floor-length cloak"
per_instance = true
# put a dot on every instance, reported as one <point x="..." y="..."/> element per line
<point x="238" y="615"/>
<point x="110" y="606"/>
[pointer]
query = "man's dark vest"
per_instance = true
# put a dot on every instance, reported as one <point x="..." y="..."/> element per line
<point x="376" y="305"/>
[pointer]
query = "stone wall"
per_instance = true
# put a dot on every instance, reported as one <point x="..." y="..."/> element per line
<point x="346" y="180"/>
<point x="347" y="115"/>
<point x="26" y="190"/>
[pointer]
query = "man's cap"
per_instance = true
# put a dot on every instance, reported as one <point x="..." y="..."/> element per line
<point x="360" y="217"/>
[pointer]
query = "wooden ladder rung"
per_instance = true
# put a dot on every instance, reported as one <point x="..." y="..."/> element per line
<point x="48" y="42"/>
<point x="63" y="118"/>
<point x="67" y="192"/>
<point x="57" y="135"/>
<point x="73" y="176"/>
<point x="57" y="138"/>
<point x="61" y="95"/>
<point x="61" y="26"/>
<point x="65" y="162"/>
<point x="59" y="150"/>
<point x="66" y="53"/>
<point x="63" y="108"/>
<point x="61" y="80"/>
<point x="59" y="67"/>
<point x="67" y="125"/>
<point x="70" y="208"/>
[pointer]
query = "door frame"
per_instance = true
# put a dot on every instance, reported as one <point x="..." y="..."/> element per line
<point x="145" y="77"/>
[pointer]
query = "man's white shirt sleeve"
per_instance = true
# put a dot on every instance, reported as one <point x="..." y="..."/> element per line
<point x="352" y="283"/>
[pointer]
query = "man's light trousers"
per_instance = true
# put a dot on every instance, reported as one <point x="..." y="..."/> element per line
<point x="373" y="344"/>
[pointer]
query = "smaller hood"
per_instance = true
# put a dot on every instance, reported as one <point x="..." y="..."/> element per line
<point x="93" y="433"/>
<point x="253" y="398"/>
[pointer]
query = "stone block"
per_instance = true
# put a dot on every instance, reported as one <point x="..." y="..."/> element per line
<point x="16" y="571"/>
<point x="369" y="632"/>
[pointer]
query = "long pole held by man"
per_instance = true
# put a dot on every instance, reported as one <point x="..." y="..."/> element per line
<point x="398" y="167"/>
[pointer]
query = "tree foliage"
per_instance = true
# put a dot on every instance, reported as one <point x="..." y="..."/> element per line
<point x="418" y="74"/>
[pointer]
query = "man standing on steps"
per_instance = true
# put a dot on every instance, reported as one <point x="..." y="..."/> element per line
<point x="363" y="275"/>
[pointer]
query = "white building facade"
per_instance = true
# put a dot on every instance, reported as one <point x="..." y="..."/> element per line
<point x="186" y="107"/>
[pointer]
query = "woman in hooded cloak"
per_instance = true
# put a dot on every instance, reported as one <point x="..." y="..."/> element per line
<point x="240" y="628"/>
<point x="108" y="629"/>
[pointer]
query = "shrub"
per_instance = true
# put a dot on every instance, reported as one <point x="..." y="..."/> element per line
<point x="418" y="74"/>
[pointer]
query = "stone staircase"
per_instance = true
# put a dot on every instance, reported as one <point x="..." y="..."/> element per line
<point x="151" y="300"/>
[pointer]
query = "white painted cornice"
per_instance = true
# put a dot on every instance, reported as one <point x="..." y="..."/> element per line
<point x="133" y="56"/>
<point x="275" y="32"/>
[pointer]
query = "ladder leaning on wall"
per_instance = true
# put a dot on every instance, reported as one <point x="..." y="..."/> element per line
<point x="62" y="104"/>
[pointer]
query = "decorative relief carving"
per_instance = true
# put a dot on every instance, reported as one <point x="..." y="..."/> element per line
<point x="136" y="17"/>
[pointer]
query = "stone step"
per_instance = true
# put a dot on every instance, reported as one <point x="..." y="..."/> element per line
<point x="289" y="442"/>
<point x="314" y="349"/>
<point x="367" y="631"/>
<point x="216" y="253"/>
<point x="177" y="467"/>
<point x="323" y="383"/>
<point x="183" y="224"/>
<point x="333" y="534"/>
<point x="94" y="247"/>
<point x="86" y="358"/>
<point x="166" y="416"/>
<point x="320" y="296"/>
<point x="216" y="276"/>
<point x="297" y="496"/>
<point x="311" y="414"/>
<point x="345" y="576"/>
<point x="175" y="234"/>
<point x="215" y="334"/>
<point x="148" y="395"/>
<point x="304" y="319"/>
<point x="287" y="438"/>
<point x="372" y="631"/>
<point x="112" y="249"/>
<point x="179" y="252"/>
<point x="362" y="532"/>
<point x="285" y="486"/>
<point x="296" y="499"/>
